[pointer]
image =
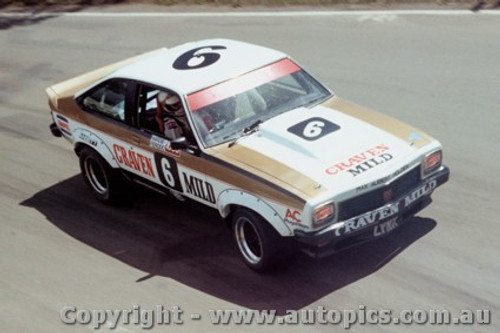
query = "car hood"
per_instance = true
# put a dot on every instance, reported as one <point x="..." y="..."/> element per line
<point x="328" y="147"/>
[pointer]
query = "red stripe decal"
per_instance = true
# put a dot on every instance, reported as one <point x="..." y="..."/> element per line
<point x="240" y="84"/>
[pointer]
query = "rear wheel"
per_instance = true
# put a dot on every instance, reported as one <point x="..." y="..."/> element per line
<point x="258" y="243"/>
<point x="105" y="183"/>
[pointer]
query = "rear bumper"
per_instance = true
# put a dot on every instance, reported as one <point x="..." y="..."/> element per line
<point x="55" y="130"/>
<point x="373" y="224"/>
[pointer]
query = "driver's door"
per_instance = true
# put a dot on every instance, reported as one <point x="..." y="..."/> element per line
<point x="181" y="170"/>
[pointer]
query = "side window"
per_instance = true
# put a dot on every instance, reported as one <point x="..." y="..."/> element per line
<point x="148" y="109"/>
<point x="108" y="99"/>
<point x="161" y="111"/>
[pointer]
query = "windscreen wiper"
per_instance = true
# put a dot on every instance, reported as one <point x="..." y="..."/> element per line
<point x="246" y="132"/>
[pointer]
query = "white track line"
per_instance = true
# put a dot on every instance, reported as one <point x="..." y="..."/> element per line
<point x="254" y="14"/>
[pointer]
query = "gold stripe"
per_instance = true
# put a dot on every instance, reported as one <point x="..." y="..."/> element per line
<point x="387" y="123"/>
<point x="239" y="175"/>
<point x="272" y="171"/>
<point x="265" y="189"/>
<point x="254" y="184"/>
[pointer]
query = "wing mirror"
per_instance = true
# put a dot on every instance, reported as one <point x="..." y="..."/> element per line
<point x="179" y="143"/>
<point x="183" y="144"/>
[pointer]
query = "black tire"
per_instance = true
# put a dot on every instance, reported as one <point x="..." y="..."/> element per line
<point x="105" y="182"/>
<point x="259" y="245"/>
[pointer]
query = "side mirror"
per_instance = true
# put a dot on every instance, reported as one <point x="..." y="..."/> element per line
<point x="179" y="143"/>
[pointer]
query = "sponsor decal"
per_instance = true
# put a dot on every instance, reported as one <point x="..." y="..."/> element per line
<point x="63" y="125"/>
<point x="385" y="212"/>
<point x="363" y="187"/>
<point x="133" y="160"/>
<point x="313" y="129"/>
<point x="382" y="180"/>
<point x="372" y="162"/>
<point x="293" y="215"/>
<point x="199" y="188"/>
<point x="163" y="145"/>
<point x="240" y="84"/>
<point x="414" y="137"/>
<point x="420" y="192"/>
<point x="298" y="225"/>
<point x="367" y="219"/>
<point x="361" y="162"/>
<point x="88" y="137"/>
<point x="385" y="227"/>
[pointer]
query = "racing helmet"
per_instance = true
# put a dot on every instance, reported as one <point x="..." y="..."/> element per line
<point x="171" y="104"/>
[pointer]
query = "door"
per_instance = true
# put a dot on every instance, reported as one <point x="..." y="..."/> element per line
<point x="183" y="170"/>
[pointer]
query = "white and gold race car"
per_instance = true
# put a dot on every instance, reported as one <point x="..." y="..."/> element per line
<point x="243" y="129"/>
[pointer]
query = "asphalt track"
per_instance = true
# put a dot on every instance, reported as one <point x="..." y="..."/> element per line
<point x="60" y="247"/>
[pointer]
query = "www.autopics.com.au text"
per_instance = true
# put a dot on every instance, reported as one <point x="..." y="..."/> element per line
<point x="162" y="315"/>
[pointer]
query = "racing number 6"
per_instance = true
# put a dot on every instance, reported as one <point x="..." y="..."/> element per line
<point x="167" y="171"/>
<point x="313" y="129"/>
<point x="198" y="58"/>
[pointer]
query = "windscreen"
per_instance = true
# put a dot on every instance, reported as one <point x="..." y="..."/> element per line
<point x="222" y="112"/>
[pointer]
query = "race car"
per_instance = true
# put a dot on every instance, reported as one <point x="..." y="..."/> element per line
<point x="245" y="130"/>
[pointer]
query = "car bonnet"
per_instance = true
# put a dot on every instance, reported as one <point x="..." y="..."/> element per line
<point x="328" y="147"/>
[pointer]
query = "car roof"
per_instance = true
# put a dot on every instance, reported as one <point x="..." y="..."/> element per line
<point x="235" y="58"/>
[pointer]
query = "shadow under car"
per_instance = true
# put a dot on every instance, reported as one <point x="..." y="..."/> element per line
<point x="188" y="242"/>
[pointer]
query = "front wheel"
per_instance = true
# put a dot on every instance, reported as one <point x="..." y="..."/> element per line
<point x="105" y="182"/>
<point x="258" y="243"/>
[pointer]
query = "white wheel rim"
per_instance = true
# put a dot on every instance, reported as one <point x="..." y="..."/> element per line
<point x="95" y="175"/>
<point x="249" y="240"/>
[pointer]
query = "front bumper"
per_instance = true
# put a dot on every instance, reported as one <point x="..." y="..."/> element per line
<point x="374" y="223"/>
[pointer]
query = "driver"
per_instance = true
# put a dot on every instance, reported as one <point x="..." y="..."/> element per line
<point x="170" y="115"/>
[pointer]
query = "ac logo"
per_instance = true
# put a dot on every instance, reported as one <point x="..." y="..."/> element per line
<point x="293" y="215"/>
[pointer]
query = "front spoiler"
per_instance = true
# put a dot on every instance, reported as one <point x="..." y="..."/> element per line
<point x="373" y="224"/>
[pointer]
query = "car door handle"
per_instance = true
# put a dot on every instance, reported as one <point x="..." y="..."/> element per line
<point x="136" y="139"/>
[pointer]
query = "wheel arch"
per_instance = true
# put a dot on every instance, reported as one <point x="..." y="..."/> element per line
<point x="231" y="200"/>
<point x="95" y="143"/>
